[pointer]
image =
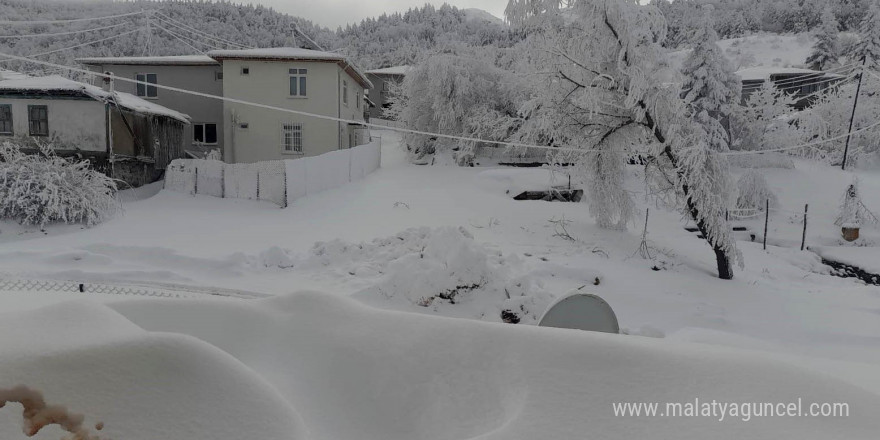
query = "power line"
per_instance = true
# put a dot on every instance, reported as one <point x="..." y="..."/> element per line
<point x="808" y="144"/>
<point x="56" y="34"/>
<point x="74" y="20"/>
<point x="184" y="26"/>
<point x="12" y="57"/>
<point x="178" y="38"/>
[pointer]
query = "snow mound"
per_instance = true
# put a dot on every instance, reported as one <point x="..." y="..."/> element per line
<point x="438" y="270"/>
<point x="139" y="385"/>
<point x="353" y="371"/>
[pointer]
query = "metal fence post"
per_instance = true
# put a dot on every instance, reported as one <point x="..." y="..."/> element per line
<point x="766" y="222"/>
<point x="804" y="237"/>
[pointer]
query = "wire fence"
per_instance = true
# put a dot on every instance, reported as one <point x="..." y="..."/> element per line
<point x="155" y="290"/>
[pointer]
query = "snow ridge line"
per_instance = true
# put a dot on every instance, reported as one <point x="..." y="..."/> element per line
<point x="158" y="290"/>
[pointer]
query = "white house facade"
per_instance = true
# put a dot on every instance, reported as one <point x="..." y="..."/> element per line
<point x="301" y="80"/>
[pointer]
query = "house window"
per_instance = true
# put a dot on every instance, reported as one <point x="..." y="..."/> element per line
<point x="245" y="70"/>
<point x="5" y="119"/>
<point x="291" y="138"/>
<point x="146" y="90"/>
<point x="38" y="120"/>
<point x="357" y="100"/>
<point x="298" y="81"/>
<point x="386" y="86"/>
<point x="345" y="92"/>
<point x="205" y="133"/>
<point x="218" y="76"/>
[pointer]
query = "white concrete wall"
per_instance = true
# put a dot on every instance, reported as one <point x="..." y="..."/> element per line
<point x="268" y="83"/>
<point x="73" y="123"/>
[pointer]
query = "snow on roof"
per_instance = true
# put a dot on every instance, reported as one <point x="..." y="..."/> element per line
<point x="174" y="60"/>
<point x="9" y="74"/>
<point x="393" y="70"/>
<point x="288" y="53"/>
<point x="764" y="73"/>
<point x="60" y="84"/>
<point x="291" y="53"/>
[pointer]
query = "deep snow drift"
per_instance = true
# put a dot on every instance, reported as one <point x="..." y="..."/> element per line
<point x="356" y="372"/>
<point x="141" y="385"/>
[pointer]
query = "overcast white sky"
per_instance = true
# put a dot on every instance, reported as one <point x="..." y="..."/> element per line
<point x="333" y="13"/>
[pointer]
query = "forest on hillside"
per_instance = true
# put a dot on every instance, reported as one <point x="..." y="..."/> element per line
<point x="184" y="27"/>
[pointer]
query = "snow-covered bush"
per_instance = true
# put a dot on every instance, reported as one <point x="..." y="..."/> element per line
<point x="853" y="212"/>
<point x="753" y="192"/>
<point x="38" y="189"/>
<point x="442" y="270"/>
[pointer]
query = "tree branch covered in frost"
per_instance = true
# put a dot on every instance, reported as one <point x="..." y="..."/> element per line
<point x="603" y="92"/>
<point x="38" y="414"/>
<point x="38" y="189"/>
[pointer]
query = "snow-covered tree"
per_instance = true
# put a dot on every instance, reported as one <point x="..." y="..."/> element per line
<point x="460" y="95"/>
<point x="753" y="192"/>
<point x="765" y="120"/>
<point x="853" y="212"/>
<point x="869" y="48"/>
<point x="38" y="189"/>
<point x="603" y="93"/>
<point x="711" y="88"/>
<point x="826" y="49"/>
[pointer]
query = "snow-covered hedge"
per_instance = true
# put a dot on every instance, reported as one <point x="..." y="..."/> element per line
<point x="38" y="189"/>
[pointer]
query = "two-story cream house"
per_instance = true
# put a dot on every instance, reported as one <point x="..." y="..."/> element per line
<point x="307" y="81"/>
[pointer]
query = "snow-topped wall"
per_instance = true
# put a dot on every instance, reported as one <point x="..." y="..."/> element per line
<point x="278" y="181"/>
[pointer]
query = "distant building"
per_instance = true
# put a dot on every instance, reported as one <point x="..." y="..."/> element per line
<point x="309" y="81"/>
<point x="384" y="80"/>
<point x="198" y="73"/>
<point x="129" y="138"/>
<point x="805" y="84"/>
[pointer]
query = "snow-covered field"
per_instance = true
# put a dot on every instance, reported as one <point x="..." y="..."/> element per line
<point x="450" y="242"/>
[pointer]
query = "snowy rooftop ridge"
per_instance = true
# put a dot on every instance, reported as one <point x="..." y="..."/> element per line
<point x="10" y="74"/>
<point x="173" y="60"/>
<point x="393" y="70"/>
<point x="286" y="53"/>
<point x="57" y="83"/>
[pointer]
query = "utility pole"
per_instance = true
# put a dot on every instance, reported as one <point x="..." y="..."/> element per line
<point x="149" y="47"/>
<point x="853" y="116"/>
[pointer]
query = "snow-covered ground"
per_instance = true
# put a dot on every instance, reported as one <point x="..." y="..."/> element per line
<point x="452" y="242"/>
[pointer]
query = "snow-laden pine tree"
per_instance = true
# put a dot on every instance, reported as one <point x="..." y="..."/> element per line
<point x="826" y="49"/>
<point x="710" y="88"/>
<point x="598" y="63"/>
<point x="868" y="48"/>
